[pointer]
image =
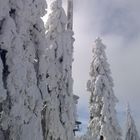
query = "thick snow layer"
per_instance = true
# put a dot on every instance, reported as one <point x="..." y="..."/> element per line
<point x="36" y="97"/>
<point x="56" y="83"/>
<point x="22" y="38"/>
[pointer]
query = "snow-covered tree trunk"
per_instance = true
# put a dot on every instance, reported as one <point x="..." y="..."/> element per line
<point x="22" y="39"/>
<point x="70" y="15"/>
<point x="56" y="83"/>
<point x="103" y="124"/>
<point x="131" y="131"/>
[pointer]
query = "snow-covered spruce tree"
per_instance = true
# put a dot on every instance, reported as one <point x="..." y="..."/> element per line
<point x="103" y="124"/>
<point x="58" y="112"/>
<point x="22" y="41"/>
<point x="131" y="131"/>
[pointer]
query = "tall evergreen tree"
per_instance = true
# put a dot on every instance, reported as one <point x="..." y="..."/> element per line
<point x="58" y="112"/>
<point x="103" y="123"/>
<point x="131" y="131"/>
<point x="22" y="39"/>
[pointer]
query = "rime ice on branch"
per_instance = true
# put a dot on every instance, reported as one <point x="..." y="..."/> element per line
<point x="103" y="123"/>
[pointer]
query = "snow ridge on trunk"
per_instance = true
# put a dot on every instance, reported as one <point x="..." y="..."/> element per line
<point x="56" y="83"/>
<point x="22" y="39"/>
<point x="103" y="123"/>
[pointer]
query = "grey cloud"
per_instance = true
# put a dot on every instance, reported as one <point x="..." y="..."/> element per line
<point x="112" y="16"/>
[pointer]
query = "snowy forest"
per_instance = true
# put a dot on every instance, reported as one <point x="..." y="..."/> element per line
<point x="36" y="84"/>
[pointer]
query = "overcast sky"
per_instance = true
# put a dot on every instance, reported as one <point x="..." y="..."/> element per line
<point x="117" y="22"/>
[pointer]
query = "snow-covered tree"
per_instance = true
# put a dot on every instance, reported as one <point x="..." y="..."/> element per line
<point x="56" y="78"/>
<point x="131" y="131"/>
<point x="103" y="124"/>
<point x="22" y="43"/>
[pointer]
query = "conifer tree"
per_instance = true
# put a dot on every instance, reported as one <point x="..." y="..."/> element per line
<point x="22" y="39"/>
<point x="131" y="131"/>
<point x="58" y="112"/>
<point x="103" y="124"/>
